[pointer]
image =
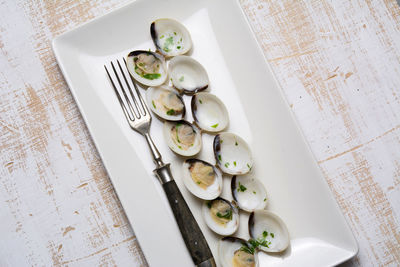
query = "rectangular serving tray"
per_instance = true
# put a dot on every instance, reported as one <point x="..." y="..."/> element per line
<point x="240" y="76"/>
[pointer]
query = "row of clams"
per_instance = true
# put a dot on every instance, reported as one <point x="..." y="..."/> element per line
<point x="168" y="75"/>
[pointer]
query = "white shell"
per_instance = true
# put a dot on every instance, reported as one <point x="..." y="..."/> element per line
<point x="191" y="151"/>
<point x="130" y="64"/>
<point x="262" y="220"/>
<point x="209" y="113"/>
<point x="170" y="37"/>
<point x="230" y="227"/>
<point x="249" y="193"/>
<point x="152" y="96"/>
<point x="232" y="154"/>
<point x="227" y="247"/>
<point x="187" y="75"/>
<point x="212" y="191"/>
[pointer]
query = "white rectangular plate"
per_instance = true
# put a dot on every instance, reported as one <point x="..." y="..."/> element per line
<point x="225" y="45"/>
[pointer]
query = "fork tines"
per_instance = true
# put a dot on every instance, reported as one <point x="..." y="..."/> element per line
<point x="132" y="103"/>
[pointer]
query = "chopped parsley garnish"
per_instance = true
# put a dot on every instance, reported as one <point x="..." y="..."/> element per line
<point x="248" y="248"/>
<point x="182" y="78"/>
<point x="172" y="112"/>
<point x="177" y="136"/>
<point x="180" y="147"/>
<point x="175" y="33"/>
<point x="198" y="182"/>
<point x="254" y="192"/>
<point x="180" y="40"/>
<point x="272" y="235"/>
<point x="255" y="243"/>
<point x="263" y="242"/>
<point x="201" y="102"/>
<point x="248" y="166"/>
<point x="227" y="215"/>
<point x="168" y="43"/>
<point x="265" y="199"/>
<point x="236" y="143"/>
<point x="151" y="76"/>
<point x="162" y="36"/>
<point x="215" y="125"/>
<point x="179" y="47"/>
<point x="226" y="164"/>
<point x="154" y="105"/>
<point x="234" y="163"/>
<point x="209" y="204"/>
<point x="241" y="188"/>
<point x="219" y="157"/>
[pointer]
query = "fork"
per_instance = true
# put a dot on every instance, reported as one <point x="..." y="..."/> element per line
<point x="139" y="119"/>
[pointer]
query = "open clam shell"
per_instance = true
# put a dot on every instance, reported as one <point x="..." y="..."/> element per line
<point x="221" y="216"/>
<point x="249" y="193"/>
<point x="147" y="67"/>
<point x="182" y="137"/>
<point x="209" y="113"/>
<point x="187" y="75"/>
<point x="269" y="230"/>
<point x="202" y="179"/>
<point x="170" y="37"/>
<point x="232" y="154"/>
<point x="165" y="103"/>
<point x="234" y="252"/>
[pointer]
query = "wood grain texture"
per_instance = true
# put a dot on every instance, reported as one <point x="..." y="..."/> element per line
<point x="338" y="63"/>
<point x="58" y="206"/>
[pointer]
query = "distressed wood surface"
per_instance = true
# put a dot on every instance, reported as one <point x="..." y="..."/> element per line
<point x="339" y="66"/>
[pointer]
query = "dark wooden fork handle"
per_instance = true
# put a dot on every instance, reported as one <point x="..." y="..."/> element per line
<point x="190" y="230"/>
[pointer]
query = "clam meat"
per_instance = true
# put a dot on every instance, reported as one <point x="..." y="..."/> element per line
<point x="236" y="252"/>
<point x="182" y="137"/>
<point x="221" y="216"/>
<point x="165" y="103"/>
<point x="202" y="179"/>
<point x="146" y="67"/>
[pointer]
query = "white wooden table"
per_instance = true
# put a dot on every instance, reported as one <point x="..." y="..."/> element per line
<point x="339" y="66"/>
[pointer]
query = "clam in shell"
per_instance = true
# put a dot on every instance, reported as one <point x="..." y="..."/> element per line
<point x="182" y="137"/>
<point x="202" y="179"/>
<point x="187" y="75"/>
<point x="232" y="154"/>
<point x="236" y="252"/>
<point x="209" y="113"/>
<point x="248" y="192"/>
<point x="165" y="103"/>
<point x="146" y="67"/>
<point x="221" y="216"/>
<point x="269" y="231"/>
<point x="170" y="37"/>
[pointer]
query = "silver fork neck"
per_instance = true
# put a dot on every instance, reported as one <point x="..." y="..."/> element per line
<point x="154" y="151"/>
